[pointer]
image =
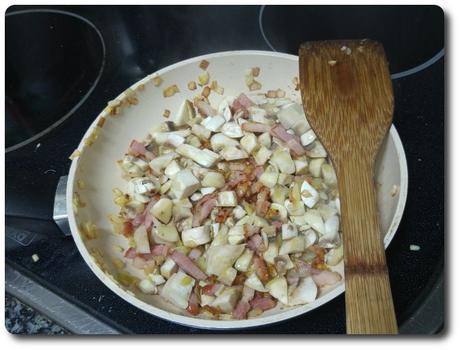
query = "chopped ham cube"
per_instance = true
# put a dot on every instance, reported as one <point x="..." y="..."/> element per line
<point x="242" y="102"/>
<point x="188" y="265"/>
<point x="137" y="147"/>
<point x="160" y="250"/>
<point x="256" y="243"/>
<point x="203" y="208"/>
<point x="130" y="253"/>
<point x="292" y="141"/>
<point x="211" y="289"/>
<point x="193" y="306"/>
<point x="265" y="303"/>
<point x="241" y="310"/>
<point x="255" y="127"/>
<point x="258" y="171"/>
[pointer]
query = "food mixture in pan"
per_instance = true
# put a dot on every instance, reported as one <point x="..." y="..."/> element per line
<point x="231" y="209"/>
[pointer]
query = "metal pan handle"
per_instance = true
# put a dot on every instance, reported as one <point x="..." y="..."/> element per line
<point x="60" y="216"/>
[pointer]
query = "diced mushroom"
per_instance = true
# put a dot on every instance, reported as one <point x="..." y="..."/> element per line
<point x="221" y="257"/>
<point x="184" y="184"/>
<point x="226" y="301"/>
<point x="293" y="245"/>
<point x="254" y="282"/>
<point x="213" y="179"/>
<point x="178" y="288"/>
<point x="277" y="287"/>
<point x="305" y="292"/>
<point x="249" y="142"/>
<point x="141" y="240"/>
<point x="233" y="153"/>
<point x="232" y="130"/>
<point x="196" y="236"/>
<point x="166" y="233"/>
<point x="220" y="141"/>
<point x="162" y="210"/>
<point x="213" y="123"/>
<point x="271" y="253"/>
<point x="313" y="218"/>
<point x="307" y="138"/>
<point x="288" y="231"/>
<point x="204" y="157"/>
<point x="282" y="159"/>
<point x="309" y="194"/>
<point x="185" y="114"/>
<point x="243" y="262"/>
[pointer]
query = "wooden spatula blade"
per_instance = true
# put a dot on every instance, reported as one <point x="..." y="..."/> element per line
<point x="348" y="99"/>
<point x="347" y="84"/>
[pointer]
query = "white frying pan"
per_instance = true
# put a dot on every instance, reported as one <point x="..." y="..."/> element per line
<point x="97" y="169"/>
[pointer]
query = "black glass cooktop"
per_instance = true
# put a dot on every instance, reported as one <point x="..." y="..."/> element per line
<point x="63" y="66"/>
<point x="54" y="62"/>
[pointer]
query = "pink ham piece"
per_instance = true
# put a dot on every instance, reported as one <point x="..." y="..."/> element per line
<point x="160" y="250"/>
<point x="148" y="220"/>
<point x="241" y="310"/>
<point x="188" y="265"/>
<point x="292" y="278"/>
<point x="324" y="277"/>
<point x="147" y="257"/>
<point x="292" y="141"/>
<point x="203" y="208"/>
<point x="243" y="306"/>
<point x="211" y="289"/>
<point x="278" y="131"/>
<point x="139" y="219"/>
<point x="193" y="306"/>
<point x="235" y="178"/>
<point x="264" y="303"/>
<point x="255" y="127"/>
<point x="320" y="277"/>
<point x="277" y="225"/>
<point x="130" y="253"/>
<point x="143" y="218"/>
<point x="241" y="102"/>
<point x="137" y="147"/>
<point x="256" y="244"/>
<point x="258" y="171"/>
<point x="295" y="146"/>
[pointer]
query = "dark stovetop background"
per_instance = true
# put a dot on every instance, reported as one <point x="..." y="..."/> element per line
<point x="140" y="40"/>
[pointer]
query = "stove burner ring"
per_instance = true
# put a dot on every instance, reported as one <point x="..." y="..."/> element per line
<point x="394" y="76"/>
<point x="91" y="88"/>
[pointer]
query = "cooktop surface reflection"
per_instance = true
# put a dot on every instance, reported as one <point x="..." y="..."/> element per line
<point x="54" y="60"/>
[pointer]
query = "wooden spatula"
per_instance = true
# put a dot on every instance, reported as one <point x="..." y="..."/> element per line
<point x="348" y="99"/>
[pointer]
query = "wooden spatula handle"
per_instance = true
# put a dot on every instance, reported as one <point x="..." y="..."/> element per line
<point x="368" y="297"/>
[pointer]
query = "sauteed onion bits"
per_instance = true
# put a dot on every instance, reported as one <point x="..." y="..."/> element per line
<point x="230" y="209"/>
